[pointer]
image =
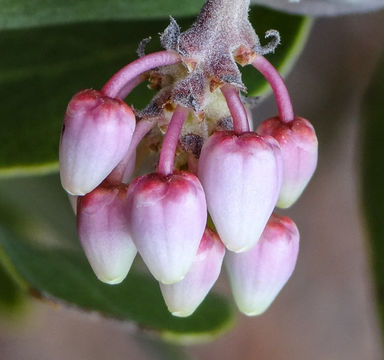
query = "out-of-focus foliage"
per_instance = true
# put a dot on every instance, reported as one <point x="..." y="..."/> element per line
<point x="323" y="7"/>
<point x="11" y="295"/>
<point x="16" y="14"/>
<point x="373" y="177"/>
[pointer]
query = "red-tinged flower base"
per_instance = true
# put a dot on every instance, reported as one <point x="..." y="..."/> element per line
<point x="167" y="217"/>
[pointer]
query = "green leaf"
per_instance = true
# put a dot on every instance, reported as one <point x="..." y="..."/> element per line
<point x="41" y="69"/>
<point x="60" y="272"/>
<point x="11" y="296"/>
<point x="28" y="13"/>
<point x="373" y="178"/>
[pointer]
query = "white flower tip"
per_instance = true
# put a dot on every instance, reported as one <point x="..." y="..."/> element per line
<point x="255" y="309"/>
<point x="111" y="280"/>
<point x="288" y="197"/>
<point x="181" y="313"/>
<point x="170" y="280"/>
<point x="239" y="250"/>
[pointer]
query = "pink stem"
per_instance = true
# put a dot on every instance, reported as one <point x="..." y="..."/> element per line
<point x="117" y="82"/>
<point x="236" y="108"/>
<point x="129" y="86"/>
<point x="279" y="89"/>
<point x="171" y="138"/>
<point x="123" y="171"/>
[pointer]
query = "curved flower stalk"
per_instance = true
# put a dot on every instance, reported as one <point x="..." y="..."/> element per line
<point x="204" y="155"/>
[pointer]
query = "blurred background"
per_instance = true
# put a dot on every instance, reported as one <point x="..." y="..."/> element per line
<point x="327" y="309"/>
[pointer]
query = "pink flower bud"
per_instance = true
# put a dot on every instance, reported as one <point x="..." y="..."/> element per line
<point x="258" y="275"/>
<point x="241" y="176"/>
<point x="167" y="217"/>
<point x="298" y="145"/>
<point x="104" y="235"/>
<point x="96" y="134"/>
<point x="183" y="297"/>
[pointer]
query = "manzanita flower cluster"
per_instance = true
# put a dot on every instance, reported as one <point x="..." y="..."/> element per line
<point x="210" y="162"/>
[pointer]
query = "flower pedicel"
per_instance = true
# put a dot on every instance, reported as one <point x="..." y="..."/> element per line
<point x="208" y="159"/>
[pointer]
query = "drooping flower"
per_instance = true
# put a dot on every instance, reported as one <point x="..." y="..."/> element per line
<point x="183" y="297"/>
<point x="258" y="275"/>
<point x="241" y="176"/>
<point x="96" y="134"/>
<point x="167" y="217"/>
<point x="298" y="143"/>
<point x="104" y="233"/>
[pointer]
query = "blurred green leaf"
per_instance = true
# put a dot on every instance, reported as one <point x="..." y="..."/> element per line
<point x="373" y="178"/>
<point x="66" y="277"/>
<point x="28" y="13"/>
<point x="11" y="295"/>
<point x="63" y="275"/>
<point x="323" y="7"/>
<point x="41" y="69"/>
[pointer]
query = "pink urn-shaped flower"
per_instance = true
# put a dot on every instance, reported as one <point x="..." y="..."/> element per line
<point x="183" y="297"/>
<point x="258" y="275"/>
<point x="241" y="176"/>
<point x="198" y="121"/>
<point x="96" y="135"/>
<point x="167" y="216"/>
<point x="298" y="143"/>
<point x="104" y="233"/>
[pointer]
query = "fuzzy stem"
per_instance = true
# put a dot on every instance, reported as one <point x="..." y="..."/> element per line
<point x="171" y="138"/>
<point x="123" y="171"/>
<point x="117" y="82"/>
<point x="236" y="108"/>
<point x="279" y="89"/>
<point x="130" y="85"/>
